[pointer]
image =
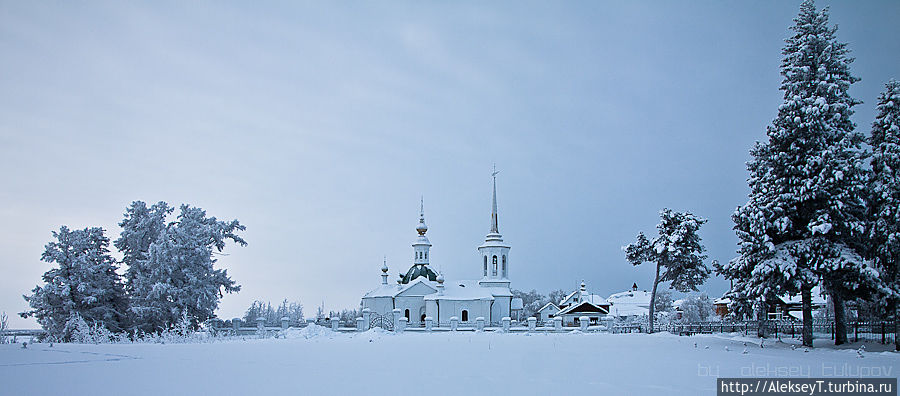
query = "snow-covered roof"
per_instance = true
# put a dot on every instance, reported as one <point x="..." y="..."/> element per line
<point x="817" y="298"/>
<point x="459" y="290"/>
<point x="468" y="290"/>
<point x="629" y="303"/>
<point x="592" y="298"/>
<point x="393" y="290"/>
<point x="722" y="300"/>
<point x="552" y="306"/>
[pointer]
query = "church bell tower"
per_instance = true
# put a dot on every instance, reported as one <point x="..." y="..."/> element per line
<point x="494" y="254"/>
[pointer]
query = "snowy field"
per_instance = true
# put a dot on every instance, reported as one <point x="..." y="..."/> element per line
<point x="378" y="363"/>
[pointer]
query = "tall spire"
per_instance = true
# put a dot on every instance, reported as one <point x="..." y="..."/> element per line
<point x="495" y="229"/>
<point x="422" y="228"/>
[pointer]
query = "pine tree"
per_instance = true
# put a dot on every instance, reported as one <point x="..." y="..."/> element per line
<point x="804" y="221"/>
<point x="84" y="284"/>
<point x="884" y="196"/>
<point x="677" y="252"/>
<point x="180" y="277"/>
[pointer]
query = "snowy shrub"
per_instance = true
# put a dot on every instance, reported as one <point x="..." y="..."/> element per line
<point x="80" y="331"/>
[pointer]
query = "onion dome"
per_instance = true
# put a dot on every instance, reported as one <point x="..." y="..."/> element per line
<point x="419" y="270"/>
<point x="440" y="278"/>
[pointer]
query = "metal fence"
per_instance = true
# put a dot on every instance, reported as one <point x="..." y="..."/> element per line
<point x="867" y="331"/>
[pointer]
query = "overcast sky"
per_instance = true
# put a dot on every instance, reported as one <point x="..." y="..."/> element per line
<point x="319" y="125"/>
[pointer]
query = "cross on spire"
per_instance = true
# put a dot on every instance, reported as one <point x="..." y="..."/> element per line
<point x="495" y="229"/>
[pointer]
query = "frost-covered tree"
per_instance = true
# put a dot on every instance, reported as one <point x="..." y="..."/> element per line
<point x="84" y="283"/>
<point x="697" y="308"/>
<point x="884" y="196"/>
<point x="676" y="251"/>
<point x="664" y="301"/>
<point x="179" y="275"/>
<point x="141" y="226"/>
<point x="804" y="219"/>
<point x="4" y="324"/>
<point x="531" y="301"/>
<point x="557" y="295"/>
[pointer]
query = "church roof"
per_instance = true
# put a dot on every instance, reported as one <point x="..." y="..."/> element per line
<point x="394" y="291"/>
<point x="469" y="290"/>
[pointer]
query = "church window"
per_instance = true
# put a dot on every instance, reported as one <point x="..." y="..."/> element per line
<point x="407" y="314"/>
<point x="504" y="265"/>
<point x="465" y="316"/>
<point x="426" y="255"/>
<point x="485" y="265"/>
<point x="494" y="268"/>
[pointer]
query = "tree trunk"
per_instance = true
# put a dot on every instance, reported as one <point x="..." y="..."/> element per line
<point x="761" y="315"/>
<point x="653" y="299"/>
<point x="840" y="318"/>
<point x="806" y="295"/>
<point x="894" y="309"/>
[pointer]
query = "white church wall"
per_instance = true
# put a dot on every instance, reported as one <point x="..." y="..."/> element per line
<point x="379" y="305"/>
<point x="415" y="305"/>
<point x="499" y="310"/>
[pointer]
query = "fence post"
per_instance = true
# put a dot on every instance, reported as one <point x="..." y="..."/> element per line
<point x="856" y="331"/>
<point x="361" y="324"/>
<point x="883" y="340"/>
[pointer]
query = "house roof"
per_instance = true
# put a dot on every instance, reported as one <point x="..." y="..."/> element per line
<point x="817" y="298"/>
<point x="594" y="298"/>
<point x="629" y="303"/>
<point x="583" y="306"/>
<point x="549" y="305"/>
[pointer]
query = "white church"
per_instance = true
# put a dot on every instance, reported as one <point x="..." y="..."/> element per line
<point x="424" y="293"/>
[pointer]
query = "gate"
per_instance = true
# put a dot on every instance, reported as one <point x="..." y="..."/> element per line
<point x="385" y="321"/>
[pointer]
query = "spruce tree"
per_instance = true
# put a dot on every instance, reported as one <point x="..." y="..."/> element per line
<point x="141" y="226"/>
<point x="180" y="277"/>
<point x="676" y="251"/>
<point x="804" y="220"/>
<point x="84" y="284"/>
<point x="884" y="196"/>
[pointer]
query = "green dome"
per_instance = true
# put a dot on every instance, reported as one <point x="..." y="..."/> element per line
<point x="419" y="270"/>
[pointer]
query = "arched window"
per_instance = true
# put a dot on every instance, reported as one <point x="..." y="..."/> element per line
<point x="504" y="266"/>
<point x="465" y="316"/>
<point x="426" y="255"/>
<point x="494" y="268"/>
<point x="485" y="265"/>
<point x="407" y="314"/>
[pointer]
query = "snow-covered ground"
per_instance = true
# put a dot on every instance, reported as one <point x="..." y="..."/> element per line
<point x="320" y="362"/>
